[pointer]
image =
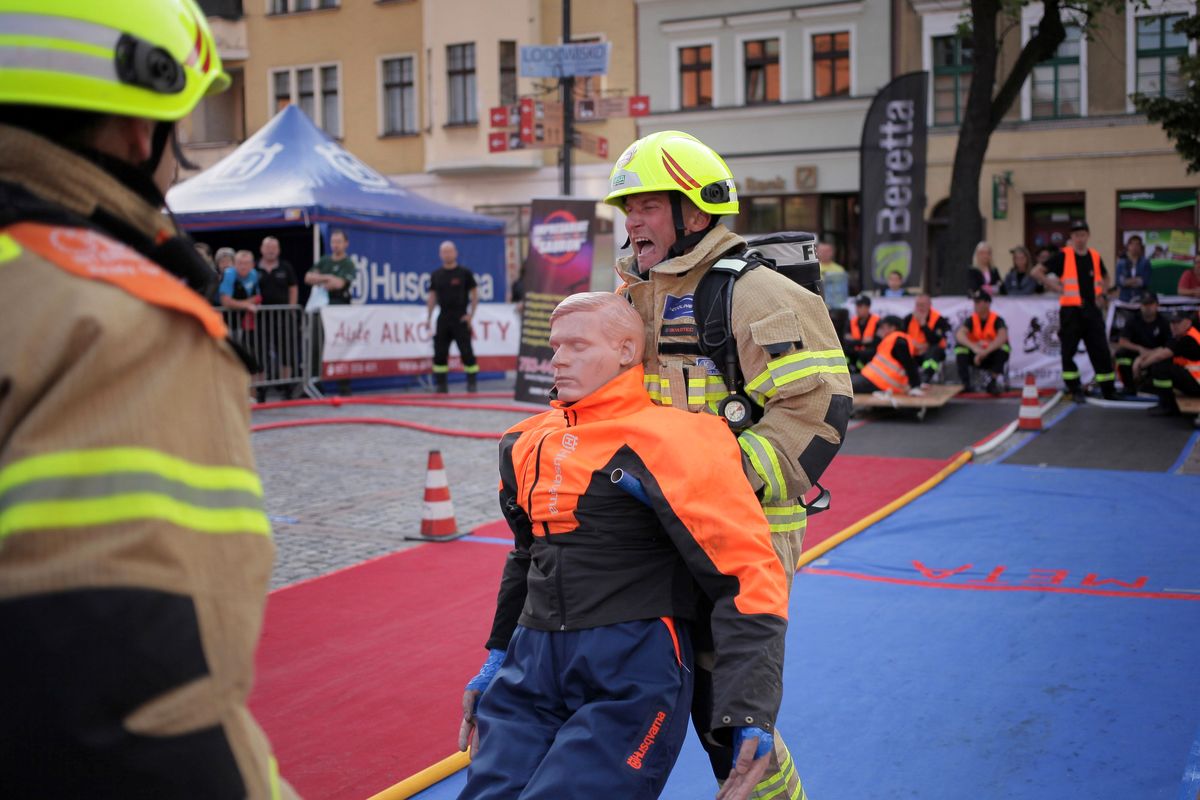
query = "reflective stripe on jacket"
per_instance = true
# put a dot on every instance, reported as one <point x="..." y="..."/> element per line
<point x="1071" y="295"/>
<point x="884" y="370"/>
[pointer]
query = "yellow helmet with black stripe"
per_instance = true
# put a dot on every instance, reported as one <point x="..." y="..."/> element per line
<point x="154" y="59"/>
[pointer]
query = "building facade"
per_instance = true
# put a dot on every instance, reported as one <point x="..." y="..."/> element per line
<point x="1072" y="146"/>
<point x="407" y="86"/>
<point x="780" y="92"/>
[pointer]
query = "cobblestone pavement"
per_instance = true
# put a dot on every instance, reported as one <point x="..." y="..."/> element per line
<point x="340" y="495"/>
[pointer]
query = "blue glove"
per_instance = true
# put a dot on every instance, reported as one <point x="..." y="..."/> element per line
<point x="766" y="742"/>
<point x="488" y="671"/>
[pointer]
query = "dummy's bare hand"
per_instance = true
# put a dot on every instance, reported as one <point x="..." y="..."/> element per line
<point x="746" y="773"/>
<point x="468" y="735"/>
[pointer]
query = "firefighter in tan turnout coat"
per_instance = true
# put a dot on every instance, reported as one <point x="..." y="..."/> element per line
<point x="673" y="189"/>
<point x="134" y="550"/>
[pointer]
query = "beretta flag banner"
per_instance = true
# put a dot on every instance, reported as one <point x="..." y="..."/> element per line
<point x="559" y="264"/>
<point x="892" y="181"/>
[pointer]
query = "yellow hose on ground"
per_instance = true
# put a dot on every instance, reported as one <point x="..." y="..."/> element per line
<point x="424" y="779"/>
<point x="448" y="766"/>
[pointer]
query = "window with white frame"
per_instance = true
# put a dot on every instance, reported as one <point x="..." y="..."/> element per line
<point x="696" y="76"/>
<point x="460" y="75"/>
<point x="508" y="73"/>
<point x="953" y="64"/>
<point x="399" y="95"/>
<point x="1158" y="48"/>
<point x="831" y="64"/>
<point x="315" y="89"/>
<point x="760" y="59"/>
<point x="1056" y="81"/>
<point x="294" y="6"/>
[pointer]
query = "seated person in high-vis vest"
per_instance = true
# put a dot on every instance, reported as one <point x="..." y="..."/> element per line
<point x="862" y="334"/>
<point x="624" y="515"/>
<point x="927" y="332"/>
<point x="1175" y="366"/>
<point x="982" y="345"/>
<point x="894" y="368"/>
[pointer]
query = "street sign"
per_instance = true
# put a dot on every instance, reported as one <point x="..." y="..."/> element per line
<point x="590" y="143"/>
<point x="563" y="60"/>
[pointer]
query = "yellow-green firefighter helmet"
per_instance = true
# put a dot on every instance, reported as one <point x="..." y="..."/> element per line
<point x="673" y="161"/>
<point x="137" y="58"/>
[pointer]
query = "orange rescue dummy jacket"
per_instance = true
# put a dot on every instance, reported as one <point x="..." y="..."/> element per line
<point x="587" y="554"/>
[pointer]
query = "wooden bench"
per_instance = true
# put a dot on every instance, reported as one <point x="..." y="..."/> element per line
<point x="935" y="396"/>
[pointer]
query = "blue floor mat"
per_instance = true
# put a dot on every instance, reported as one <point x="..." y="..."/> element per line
<point x="1018" y="633"/>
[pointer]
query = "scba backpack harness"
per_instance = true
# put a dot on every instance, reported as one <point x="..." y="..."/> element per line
<point x="792" y="254"/>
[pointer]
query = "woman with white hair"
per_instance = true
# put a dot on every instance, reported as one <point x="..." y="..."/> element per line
<point x="983" y="273"/>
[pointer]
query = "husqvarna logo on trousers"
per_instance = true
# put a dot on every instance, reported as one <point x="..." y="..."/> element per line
<point x="635" y="760"/>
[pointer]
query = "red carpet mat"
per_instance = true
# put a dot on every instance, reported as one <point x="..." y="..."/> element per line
<point x="360" y="673"/>
<point x="862" y="484"/>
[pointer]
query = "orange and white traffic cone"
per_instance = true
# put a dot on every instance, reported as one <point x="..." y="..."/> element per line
<point x="1030" y="418"/>
<point x="437" y="520"/>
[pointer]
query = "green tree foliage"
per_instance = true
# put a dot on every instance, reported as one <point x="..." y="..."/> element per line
<point x="1180" y="117"/>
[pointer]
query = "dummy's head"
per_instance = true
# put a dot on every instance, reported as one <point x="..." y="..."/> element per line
<point x="595" y="337"/>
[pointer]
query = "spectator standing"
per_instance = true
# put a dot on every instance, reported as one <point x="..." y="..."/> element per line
<point x="240" y="291"/>
<point x="927" y="332"/>
<point x="1077" y="274"/>
<point x="983" y="273"/>
<point x="982" y="344"/>
<point x="135" y="554"/>
<point x="1019" y="281"/>
<point x="834" y="280"/>
<point x="893" y="368"/>
<point x="335" y="273"/>
<point x="277" y="281"/>
<point x="1133" y="271"/>
<point x="862" y="335"/>
<point x="1043" y="255"/>
<point x="1146" y="331"/>
<point x="453" y="290"/>
<point x="1189" y="281"/>
<point x="224" y="260"/>
<point x="1175" y="366"/>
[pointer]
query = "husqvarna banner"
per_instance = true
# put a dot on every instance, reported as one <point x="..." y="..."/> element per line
<point x="559" y="264"/>
<point x="892" y="179"/>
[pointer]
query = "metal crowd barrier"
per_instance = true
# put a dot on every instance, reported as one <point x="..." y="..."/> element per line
<point x="280" y="340"/>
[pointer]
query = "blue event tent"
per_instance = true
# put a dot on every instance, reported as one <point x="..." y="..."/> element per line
<point x="291" y="175"/>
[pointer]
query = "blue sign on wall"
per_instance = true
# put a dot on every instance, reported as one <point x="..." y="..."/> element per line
<point x="562" y="60"/>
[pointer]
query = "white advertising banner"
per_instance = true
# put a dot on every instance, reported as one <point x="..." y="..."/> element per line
<point x="1032" y="333"/>
<point x="385" y="340"/>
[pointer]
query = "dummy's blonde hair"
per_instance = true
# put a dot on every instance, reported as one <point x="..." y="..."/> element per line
<point x="619" y="319"/>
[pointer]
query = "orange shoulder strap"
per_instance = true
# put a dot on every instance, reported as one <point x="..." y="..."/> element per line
<point x="94" y="256"/>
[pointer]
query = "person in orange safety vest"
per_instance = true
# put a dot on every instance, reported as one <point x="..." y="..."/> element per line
<point x="982" y="345"/>
<point x="1175" y="366"/>
<point x="893" y="369"/>
<point x="927" y="331"/>
<point x="862" y="334"/>
<point x="1078" y="275"/>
